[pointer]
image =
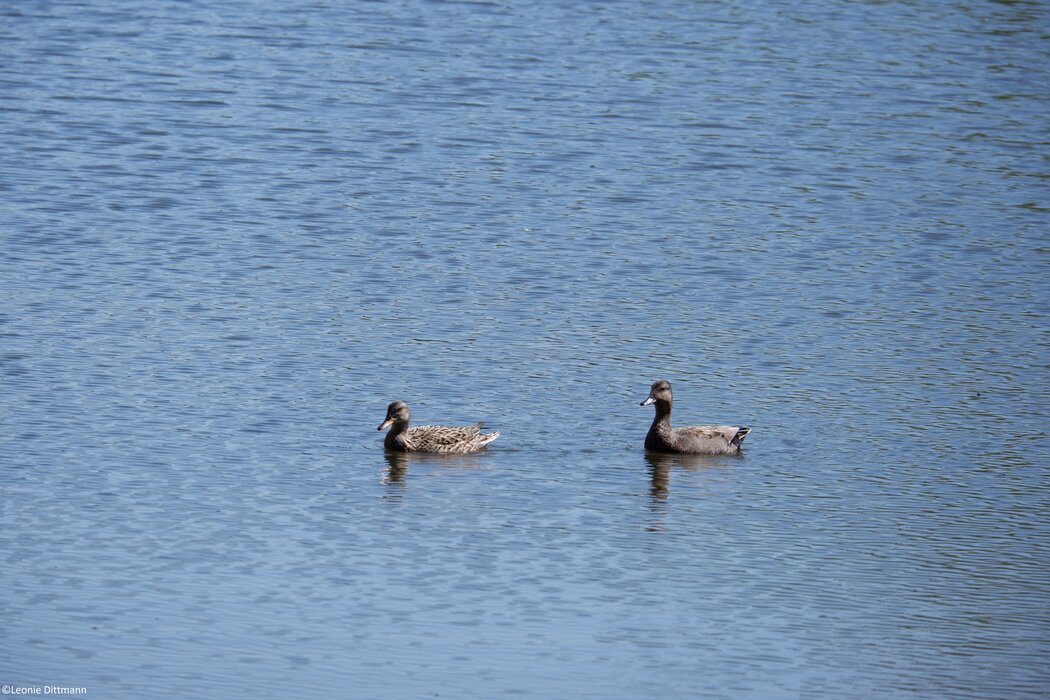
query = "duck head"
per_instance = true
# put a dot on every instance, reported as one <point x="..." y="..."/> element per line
<point x="397" y="412"/>
<point x="660" y="391"/>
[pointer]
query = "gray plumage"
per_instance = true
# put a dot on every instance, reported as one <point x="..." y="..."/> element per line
<point x="695" y="439"/>
<point x="445" y="439"/>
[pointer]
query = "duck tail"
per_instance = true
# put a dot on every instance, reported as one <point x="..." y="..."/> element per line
<point x="741" y="434"/>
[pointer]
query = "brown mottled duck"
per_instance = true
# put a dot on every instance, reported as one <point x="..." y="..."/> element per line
<point x="445" y="439"/>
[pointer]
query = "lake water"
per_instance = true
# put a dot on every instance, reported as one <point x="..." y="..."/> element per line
<point x="231" y="233"/>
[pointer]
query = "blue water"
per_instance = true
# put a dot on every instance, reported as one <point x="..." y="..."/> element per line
<point x="232" y="233"/>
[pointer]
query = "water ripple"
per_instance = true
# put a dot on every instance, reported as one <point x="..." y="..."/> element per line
<point x="230" y="238"/>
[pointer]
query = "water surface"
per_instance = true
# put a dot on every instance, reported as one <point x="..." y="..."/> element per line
<point x="230" y="235"/>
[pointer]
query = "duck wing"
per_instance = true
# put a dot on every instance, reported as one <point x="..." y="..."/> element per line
<point x="448" y="438"/>
<point x="710" y="439"/>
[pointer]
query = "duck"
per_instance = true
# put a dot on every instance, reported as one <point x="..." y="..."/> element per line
<point x="693" y="439"/>
<point x="446" y="439"/>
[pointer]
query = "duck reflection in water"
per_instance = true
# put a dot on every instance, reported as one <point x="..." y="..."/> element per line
<point x="660" y="464"/>
<point x="396" y="468"/>
<point x="397" y="464"/>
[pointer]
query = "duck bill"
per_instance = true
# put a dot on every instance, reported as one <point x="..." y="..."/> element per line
<point x="385" y="424"/>
<point x="649" y="401"/>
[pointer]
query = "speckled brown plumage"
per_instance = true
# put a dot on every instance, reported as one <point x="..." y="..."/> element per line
<point x="447" y="439"/>
<point x="695" y="439"/>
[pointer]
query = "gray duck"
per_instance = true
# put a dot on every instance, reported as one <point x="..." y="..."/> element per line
<point x="693" y="439"/>
<point x="446" y="439"/>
